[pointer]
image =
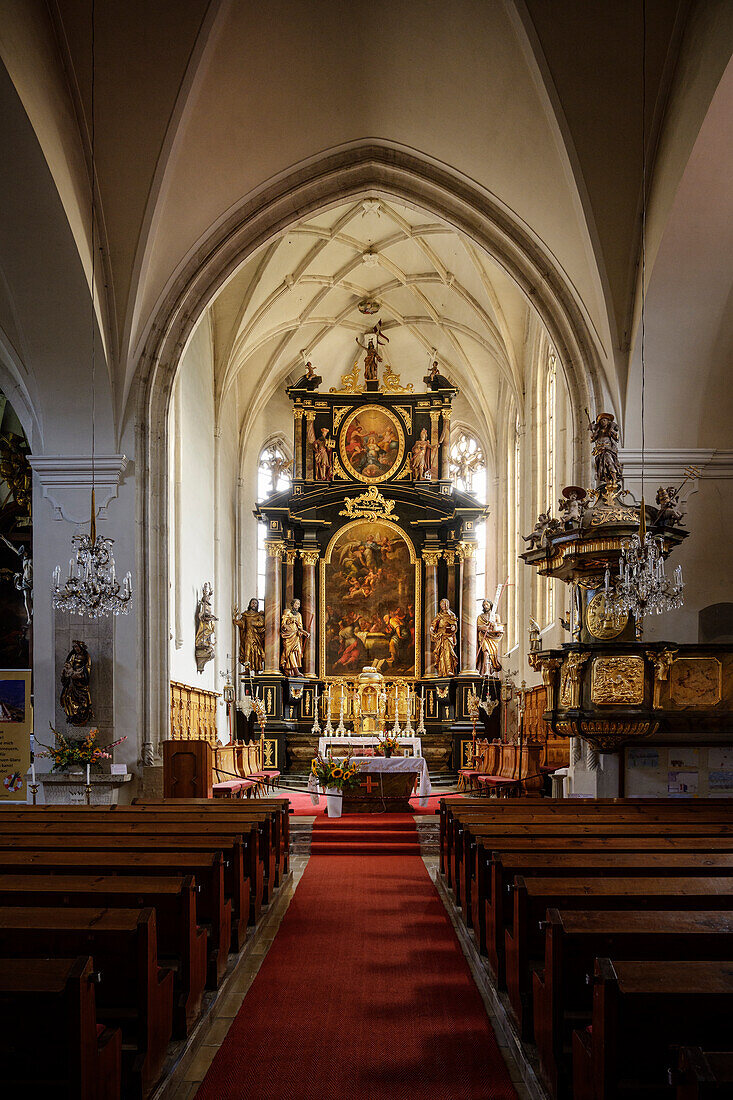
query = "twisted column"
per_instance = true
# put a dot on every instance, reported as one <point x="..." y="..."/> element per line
<point x="310" y="560"/>
<point x="467" y="555"/>
<point x="273" y="604"/>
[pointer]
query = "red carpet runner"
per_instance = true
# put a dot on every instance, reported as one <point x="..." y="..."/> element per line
<point x="365" y="993"/>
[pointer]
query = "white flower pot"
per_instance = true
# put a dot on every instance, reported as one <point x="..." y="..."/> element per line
<point x="334" y="802"/>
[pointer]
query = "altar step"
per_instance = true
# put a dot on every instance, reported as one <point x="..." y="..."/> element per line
<point x="373" y="836"/>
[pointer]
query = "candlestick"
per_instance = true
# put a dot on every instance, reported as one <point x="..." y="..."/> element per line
<point x="89" y="788"/>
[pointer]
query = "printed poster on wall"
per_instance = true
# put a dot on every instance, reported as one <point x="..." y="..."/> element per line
<point x="16" y="723"/>
<point x="683" y="784"/>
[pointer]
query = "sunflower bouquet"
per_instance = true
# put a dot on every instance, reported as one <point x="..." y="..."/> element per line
<point x="338" y="774"/>
<point x="68" y="751"/>
<point x="387" y="745"/>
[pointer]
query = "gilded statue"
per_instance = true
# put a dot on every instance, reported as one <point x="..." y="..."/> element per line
<point x="443" y="631"/>
<point x="604" y="434"/>
<point x="489" y="631"/>
<point x="205" y="628"/>
<point x="322" y="453"/>
<point x="292" y="634"/>
<point x="251" y="627"/>
<point x="421" y="457"/>
<point x="76" y="674"/>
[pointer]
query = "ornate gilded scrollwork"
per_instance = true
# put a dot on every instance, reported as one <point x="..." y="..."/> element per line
<point x="349" y="381"/>
<point x="369" y="505"/>
<point x="572" y="670"/>
<point x="610" y="736"/>
<point x="391" y="382"/>
<point x="618" y="680"/>
<point x="601" y="624"/>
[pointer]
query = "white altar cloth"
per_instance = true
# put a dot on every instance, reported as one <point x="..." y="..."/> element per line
<point x="365" y="741"/>
<point x="374" y="764"/>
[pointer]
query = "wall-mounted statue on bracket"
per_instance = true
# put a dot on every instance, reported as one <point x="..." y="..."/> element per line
<point x="251" y="627"/>
<point x="76" y="674"/>
<point x="292" y="634"/>
<point x="489" y="631"/>
<point x="443" y="632"/>
<point x="205" y="628"/>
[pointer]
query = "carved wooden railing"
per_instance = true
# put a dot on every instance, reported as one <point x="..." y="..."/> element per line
<point x="193" y="713"/>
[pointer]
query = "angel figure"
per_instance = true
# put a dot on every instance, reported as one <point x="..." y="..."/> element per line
<point x="670" y="513"/>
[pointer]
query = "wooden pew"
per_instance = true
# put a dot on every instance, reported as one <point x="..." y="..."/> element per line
<point x="495" y="892"/>
<point x="133" y="992"/>
<point x="267" y="823"/>
<point x="524" y="941"/>
<point x="641" y="1009"/>
<point x="236" y="879"/>
<point x="213" y="908"/>
<point x="704" y="1074"/>
<point x="220" y="837"/>
<point x="181" y="943"/>
<point x="562" y="991"/>
<point x="52" y="1003"/>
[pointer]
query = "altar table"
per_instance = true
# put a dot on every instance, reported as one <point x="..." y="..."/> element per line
<point x="394" y="777"/>
<point x="365" y="741"/>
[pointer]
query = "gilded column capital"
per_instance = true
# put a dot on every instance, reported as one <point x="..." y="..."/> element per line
<point x="310" y="414"/>
<point x="450" y="556"/>
<point x="466" y="550"/>
<point x="310" y="557"/>
<point x="290" y="554"/>
<point x="298" y="413"/>
<point x="275" y="549"/>
<point x="435" y="415"/>
<point x="431" y="557"/>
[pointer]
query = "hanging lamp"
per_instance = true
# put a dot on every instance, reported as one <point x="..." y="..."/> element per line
<point x="91" y="588"/>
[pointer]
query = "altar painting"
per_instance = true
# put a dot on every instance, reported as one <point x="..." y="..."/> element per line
<point x="372" y="443"/>
<point x="369" y="601"/>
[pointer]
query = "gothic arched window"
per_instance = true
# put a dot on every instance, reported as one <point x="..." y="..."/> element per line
<point x="467" y="464"/>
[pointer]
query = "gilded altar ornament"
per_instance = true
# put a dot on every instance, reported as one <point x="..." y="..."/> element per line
<point x="489" y="631"/>
<point x="349" y="381"/>
<point x="662" y="662"/>
<point x="205" y="628"/>
<point x="292" y="634"/>
<point x="369" y="505"/>
<point x="617" y="680"/>
<point x="251" y="627"/>
<point x="392" y="383"/>
<point x="76" y="673"/>
<point x="371" y="443"/>
<point x="609" y="506"/>
<point x="603" y="623"/>
<point x="696" y="682"/>
<point x="443" y="632"/>
<point x="572" y="670"/>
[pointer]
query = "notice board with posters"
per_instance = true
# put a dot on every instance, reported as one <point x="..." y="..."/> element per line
<point x="16" y="725"/>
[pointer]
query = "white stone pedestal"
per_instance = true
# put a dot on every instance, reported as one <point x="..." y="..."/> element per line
<point x="69" y="788"/>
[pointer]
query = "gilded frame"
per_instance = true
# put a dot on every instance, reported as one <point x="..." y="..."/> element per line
<point x="360" y="410"/>
<point x="416" y="564"/>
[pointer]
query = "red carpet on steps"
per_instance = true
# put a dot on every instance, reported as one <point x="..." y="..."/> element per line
<point x="365" y="993"/>
<point x="303" y="807"/>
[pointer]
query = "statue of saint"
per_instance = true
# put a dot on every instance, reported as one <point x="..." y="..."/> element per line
<point x="323" y="455"/>
<point x="488" y="633"/>
<point x="205" y="627"/>
<point x="251" y="627"/>
<point x="292" y="634"/>
<point x="76" y="673"/>
<point x="421" y="457"/>
<point x="23" y="580"/>
<point x="443" y="631"/>
<point x="604" y="434"/>
<point x="372" y="359"/>
<point x="434" y="380"/>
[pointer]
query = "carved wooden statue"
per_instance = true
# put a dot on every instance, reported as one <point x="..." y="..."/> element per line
<point x="489" y="631"/>
<point x="292" y="634"/>
<point x="372" y="359"/>
<point x="205" y="628"/>
<point x="443" y="632"/>
<point x="76" y="674"/>
<point x="604" y="434"/>
<point x="251" y="627"/>
<point x="421" y="457"/>
<point x="323" y="455"/>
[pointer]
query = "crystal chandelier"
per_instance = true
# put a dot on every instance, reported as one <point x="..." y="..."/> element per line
<point x="642" y="587"/>
<point x="92" y="588"/>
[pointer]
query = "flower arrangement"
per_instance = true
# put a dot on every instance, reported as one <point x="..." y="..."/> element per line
<point x="68" y="751"/>
<point x="387" y="745"/>
<point x="339" y="774"/>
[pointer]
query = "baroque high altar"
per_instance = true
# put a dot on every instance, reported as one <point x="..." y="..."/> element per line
<point x="371" y="563"/>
